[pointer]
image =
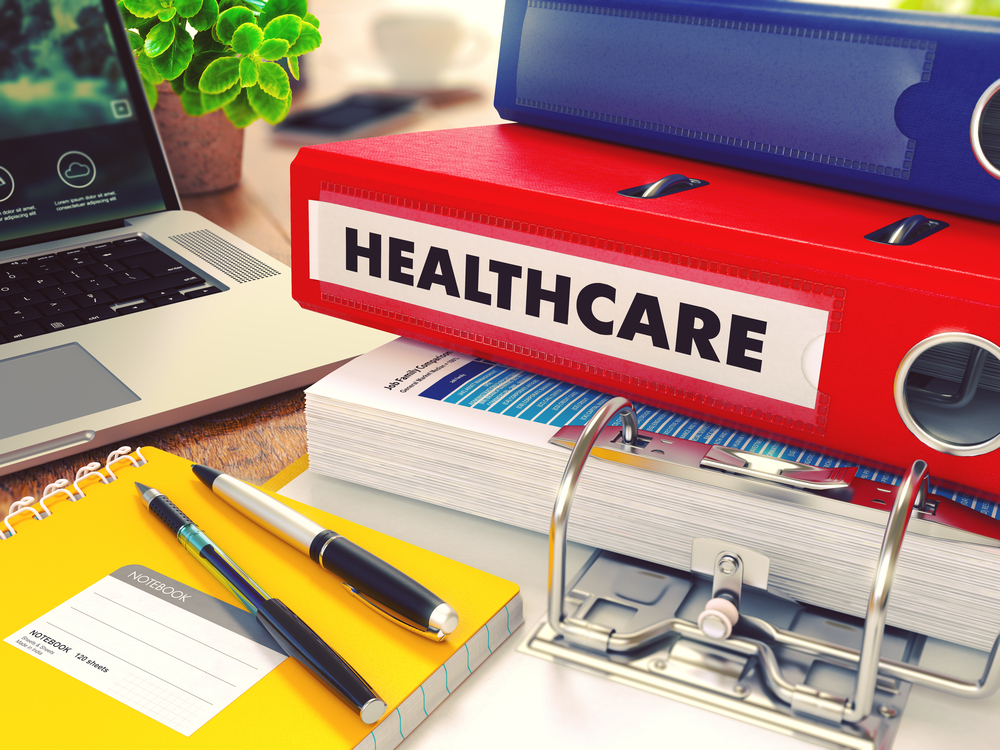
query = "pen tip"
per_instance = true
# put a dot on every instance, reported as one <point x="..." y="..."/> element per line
<point x="205" y="474"/>
<point x="143" y="489"/>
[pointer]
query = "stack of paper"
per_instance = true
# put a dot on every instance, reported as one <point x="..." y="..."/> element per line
<point x="456" y="431"/>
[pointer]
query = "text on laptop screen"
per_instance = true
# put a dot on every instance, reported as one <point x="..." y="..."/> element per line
<point x="72" y="150"/>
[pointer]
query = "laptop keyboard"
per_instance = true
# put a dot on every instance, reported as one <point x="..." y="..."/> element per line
<point x="87" y="284"/>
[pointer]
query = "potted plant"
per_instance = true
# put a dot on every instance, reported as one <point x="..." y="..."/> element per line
<point x="218" y="56"/>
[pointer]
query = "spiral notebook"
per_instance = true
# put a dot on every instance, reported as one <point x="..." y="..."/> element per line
<point x="93" y="532"/>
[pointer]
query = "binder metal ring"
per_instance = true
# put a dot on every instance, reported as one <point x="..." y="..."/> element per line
<point x="899" y="390"/>
<point x="801" y="699"/>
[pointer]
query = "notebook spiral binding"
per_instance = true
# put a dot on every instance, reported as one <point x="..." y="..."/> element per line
<point x="70" y="490"/>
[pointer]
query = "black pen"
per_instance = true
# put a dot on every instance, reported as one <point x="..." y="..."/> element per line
<point x="296" y="638"/>
<point x="379" y="585"/>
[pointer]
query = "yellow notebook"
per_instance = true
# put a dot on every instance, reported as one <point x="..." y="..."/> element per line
<point x="49" y="561"/>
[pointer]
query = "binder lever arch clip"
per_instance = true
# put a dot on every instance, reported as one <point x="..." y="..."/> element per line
<point x="715" y="638"/>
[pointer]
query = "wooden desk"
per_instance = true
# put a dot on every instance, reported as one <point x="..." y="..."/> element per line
<point x="257" y="440"/>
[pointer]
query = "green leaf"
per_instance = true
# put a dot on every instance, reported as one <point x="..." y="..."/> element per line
<point x="173" y="62"/>
<point x="248" y="71"/>
<point x="274" y="8"/>
<point x="187" y="8"/>
<point x="311" y="19"/>
<point x="206" y="17"/>
<point x="205" y="42"/>
<point x="192" y="76"/>
<point x="129" y="19"/>
<point x="177" y="84"/>
<point x="135" y="41"/>
<point x="166" y="15"/>
<point x="191" y="101"/>
<point x="308" y="40"/>
<point x="293" y="66"/>
<point x="159" y="39"/>
<point x="273" y="49"/>
<point x="220" y="75"/>
<point x="270" y="108"/>
<point x="143" y="8"/>
<point x="146" y="70"/>
<point x="284" y="27"/>
<point x="231" y="20"/>
<point x="212" y="102"/>
<point x="247" y="38"/>
<point x="239" y="111"/>
<point x="273" y="79"/>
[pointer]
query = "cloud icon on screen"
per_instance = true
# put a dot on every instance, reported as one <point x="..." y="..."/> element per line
<point x="76" y="171"/>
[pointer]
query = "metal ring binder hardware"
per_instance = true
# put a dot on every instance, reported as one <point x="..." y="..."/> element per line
<point x="934" y="416"/>
<point x="988" y="161"/>
<point x="907" y="231"/>
<point x="567" y="489"/>
<point x="743" y="666"/>
<point x="669" y="185"/>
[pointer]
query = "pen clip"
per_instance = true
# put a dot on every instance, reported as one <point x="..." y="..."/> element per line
<point x="433" y="634"/>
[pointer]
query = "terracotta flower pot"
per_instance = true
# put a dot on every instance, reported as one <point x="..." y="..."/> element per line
<point x="205" y="153"/>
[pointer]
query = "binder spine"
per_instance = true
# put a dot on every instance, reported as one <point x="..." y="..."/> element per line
<point x="896" y="104"/>
<point x="64" y="489"/>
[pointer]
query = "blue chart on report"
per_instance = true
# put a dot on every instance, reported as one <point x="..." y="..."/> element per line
<point x="515" y="393"/>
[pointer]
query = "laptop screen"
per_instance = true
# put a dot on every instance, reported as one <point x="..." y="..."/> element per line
<point x="78" y="151"/>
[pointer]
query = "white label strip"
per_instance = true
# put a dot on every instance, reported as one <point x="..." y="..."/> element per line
<point x="168" y="651"/>
<point x="764" y="346"/>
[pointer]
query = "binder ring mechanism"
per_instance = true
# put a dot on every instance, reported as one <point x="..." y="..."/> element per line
<point x="731" y="661"/>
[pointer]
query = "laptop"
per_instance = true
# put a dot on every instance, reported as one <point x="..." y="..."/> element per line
<point x="120" y="313"/>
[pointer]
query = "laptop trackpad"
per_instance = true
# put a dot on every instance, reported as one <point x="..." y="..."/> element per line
<point x="52" y="386"/>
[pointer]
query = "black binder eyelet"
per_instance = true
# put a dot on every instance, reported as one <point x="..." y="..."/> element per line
<point x="669" y="185"/>
<point x="907" y="231"/>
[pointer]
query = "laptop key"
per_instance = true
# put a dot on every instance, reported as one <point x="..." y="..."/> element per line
<point x="93" y="298"/>
<point x="104" y="267"/>
<point x="75" y="261"/>
<point x="49" y="309"/>
<point x="136" y="307"/>
<point x="117" y="252"/>
<point x="10" y="272"/>
<point x="10" y="287"/>
<point x="129" y="277"/>
<point x="20" y="331"/>
<point x="39" y="282"/>
<point x="202" y="292"/>
<point x="13" y="317"/>
<point x="98" y="282"/>
<point x="94" y="314"/>
<point x="40" y="267"/>
<point x="131" y="241"/>
<point x="59" y="322"/>
<point x="155" y="284"/>
<point x="155" y="264"/>
<point x="168" y="299"/>
<point x="61" y="291"/>
<point x="24" y="299"/>
<point x="74" y="274"/>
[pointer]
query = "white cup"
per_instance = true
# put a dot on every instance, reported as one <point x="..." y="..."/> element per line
<point x="419" y="47"/>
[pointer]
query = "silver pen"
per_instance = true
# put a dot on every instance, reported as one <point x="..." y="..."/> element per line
<point x="378" y="584"/>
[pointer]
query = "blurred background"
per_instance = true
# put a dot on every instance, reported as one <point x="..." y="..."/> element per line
<point x="350" y="61"/>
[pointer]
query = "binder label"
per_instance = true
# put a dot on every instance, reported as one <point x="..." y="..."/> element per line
<point x="760" y="344"/>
